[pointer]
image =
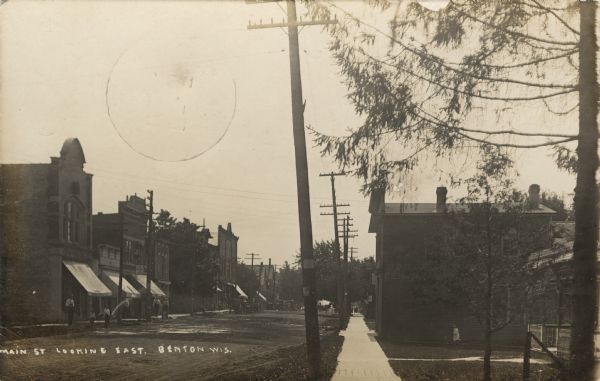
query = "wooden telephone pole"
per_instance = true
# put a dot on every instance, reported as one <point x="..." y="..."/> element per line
<point x="121" y="254"/>
<point x="346" y="235"/>
<point x="313" y="346"/>
<point x="335" y="205"/>
<point x="150" y="256"/>
<point x="252" y="257"/>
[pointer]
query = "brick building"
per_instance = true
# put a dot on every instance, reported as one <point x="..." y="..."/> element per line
<point x="227" y="243"/>
<point x="409" y="234"/>
<point x="228" y="290"/>
<point x="128" y="229"/>
<point x="46" y="242"/>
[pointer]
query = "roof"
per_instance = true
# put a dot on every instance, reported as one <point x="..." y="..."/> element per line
<point x="431" y="208"/>
<point x="398" y="209"/>
<point x="72" y="146"/>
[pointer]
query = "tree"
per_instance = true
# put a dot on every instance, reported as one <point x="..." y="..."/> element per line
<point x="193" y="264"/>
<point x="290" y="283"/>
<point x="556" y="203"/>
<point x="439" y="68"/>
<point x="360" y="285"/>
<point x="325" y="269"/>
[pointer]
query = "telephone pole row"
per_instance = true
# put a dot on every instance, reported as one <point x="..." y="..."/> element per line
<point x="335" y="214"/>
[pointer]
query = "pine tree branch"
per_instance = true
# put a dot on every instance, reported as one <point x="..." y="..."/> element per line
<point x="515" y="33"/>
<point x="441" y="62"/>
<point x="520" y="133"/>
<point x="560" y="19"/>
<point x="512" y="145"/>
<point x="459" y="131"/>
<point x="467" y="93"/>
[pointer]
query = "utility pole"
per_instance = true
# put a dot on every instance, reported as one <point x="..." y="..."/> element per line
<point x="260" y="270"/>
<point x="346" y="229"/>
<point x="150" y="256"/>
<point x="313" y="346"/>
<point x="274" y="287"/>
<point x="335" y="205"/>
<point x="346" y="235"/>
<point x="252" y="257"/>
<point x="268" y="283"/>
<point x="121" y="254"/>
<point x="352" y="249"/>
<point x="350" y="280"/>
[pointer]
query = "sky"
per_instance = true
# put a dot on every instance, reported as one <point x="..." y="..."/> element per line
<point x="183" y="99"/>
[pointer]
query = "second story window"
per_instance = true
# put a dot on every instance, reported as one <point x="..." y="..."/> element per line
<point x="72" y="223"/>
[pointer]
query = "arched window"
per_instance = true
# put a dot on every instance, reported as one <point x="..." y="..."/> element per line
<point x="72" y="222"/>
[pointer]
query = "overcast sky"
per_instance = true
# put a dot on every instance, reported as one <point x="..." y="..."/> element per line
<point x="181" y="98"/>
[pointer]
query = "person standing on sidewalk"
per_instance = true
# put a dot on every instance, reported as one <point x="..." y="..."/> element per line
<point x="70" y="307"/>
<point x="92" y="319"/>
<point x="106" y="316"/>
<point x="165" y="309"/>
<point x="455" y="334"/>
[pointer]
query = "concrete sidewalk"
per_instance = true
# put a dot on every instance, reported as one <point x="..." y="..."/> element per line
<point x="361" y="357"/>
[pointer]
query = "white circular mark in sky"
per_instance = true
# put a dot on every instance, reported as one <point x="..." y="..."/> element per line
<point x="171" y="99"/>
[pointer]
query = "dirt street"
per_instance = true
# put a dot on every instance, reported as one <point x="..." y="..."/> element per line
<point x="199" y="348"/>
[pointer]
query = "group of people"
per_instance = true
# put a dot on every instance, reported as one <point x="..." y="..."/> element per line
<point x="160" y="308"/>
<point x="70" y="309"/>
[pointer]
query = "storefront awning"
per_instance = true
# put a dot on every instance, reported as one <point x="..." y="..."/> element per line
<point x="128" y="289"/>
<point x="87" y="279"/>
<point x="154" y="289"/>
<point x="237" y="288"/>
<point x="264" y="299"/>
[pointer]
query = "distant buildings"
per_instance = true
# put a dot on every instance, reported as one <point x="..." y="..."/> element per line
<point x="266" y="282"/>
<point x="127" y="229"/>
<point x="410" y="234"/>
<point x="227" y="244"/>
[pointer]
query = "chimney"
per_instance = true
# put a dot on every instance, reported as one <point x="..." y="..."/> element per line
<point x="441" y="193"/>
<point x="229" y="227"/>
<point x="534" y="196"/>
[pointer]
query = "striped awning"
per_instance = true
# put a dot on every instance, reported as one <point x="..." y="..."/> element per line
<point x="154" y="289"/>
<point x="128" y="289"/>
<point x="87" y="278"/>
<point x="264" y="299"/>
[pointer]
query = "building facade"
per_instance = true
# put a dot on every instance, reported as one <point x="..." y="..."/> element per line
<point x="128" y="230"/>
<point x="227" y="243"/>
<point x="549" y="312"/>
<point x="407" y="237"/>
<point x="46" y="243"/>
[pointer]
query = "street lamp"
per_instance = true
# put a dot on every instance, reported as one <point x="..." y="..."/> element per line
<point x="433" y="5"/>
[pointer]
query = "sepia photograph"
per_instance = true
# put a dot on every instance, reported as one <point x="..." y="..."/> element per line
<point x="311" y="190"/>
